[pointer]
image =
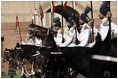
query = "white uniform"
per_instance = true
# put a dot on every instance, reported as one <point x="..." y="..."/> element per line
<point x="70" y="42"/>
<point x="58" y="38"/>
<point x="72" y="34"/>
<point x="84" y="36"/>
<point x="104" y="27"/>
<point x="30" y="42"/>
<point x="37" y="42"/>
<point x="113" y="27"/>
<point x="95" y="30"/>
<point x="95" y="33"/>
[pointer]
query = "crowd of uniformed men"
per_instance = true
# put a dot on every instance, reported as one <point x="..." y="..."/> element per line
<point x="84" y="36"/>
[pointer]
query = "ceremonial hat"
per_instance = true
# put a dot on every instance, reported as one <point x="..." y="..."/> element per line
<point x="84" y="15"/>
<point x="104" y="8"/>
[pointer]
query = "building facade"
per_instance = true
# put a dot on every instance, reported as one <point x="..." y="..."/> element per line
<point x="24" y="10"/>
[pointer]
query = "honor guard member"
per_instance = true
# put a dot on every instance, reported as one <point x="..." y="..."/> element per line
<point x="104" y="27"/>
<point x="70" y="42"/>
<point x="57" y="28"/>
<point x="33" y="41"/>
<point x="86" y="23"/>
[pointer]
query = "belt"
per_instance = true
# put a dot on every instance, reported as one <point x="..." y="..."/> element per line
<point x="78" y="43"/>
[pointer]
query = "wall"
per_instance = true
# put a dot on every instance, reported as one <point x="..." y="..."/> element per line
<point x="24" y="10"/>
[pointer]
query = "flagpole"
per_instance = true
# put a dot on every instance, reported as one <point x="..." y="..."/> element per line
<point x="108" y="5"/>
<point x="19" y="28"/>
<point x="62" y="14"/>
<point x="32" y="17"/>
<point x="34" y="14"/>
<point x="76" y="40"/>
<point x="109" y="19"/>
<point x="40" y="14"/>
<point x="62" y="24"/>
<point x="19" y="32"/>
<point x="51" y="14"/>
<point x="92" y="35"/>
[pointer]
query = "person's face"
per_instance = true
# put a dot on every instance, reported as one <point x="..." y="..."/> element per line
<point x="56" y="28"/>
<point x="69" y="25"/>
<point x="81" y="22"/>
<point x="101" y="16"/>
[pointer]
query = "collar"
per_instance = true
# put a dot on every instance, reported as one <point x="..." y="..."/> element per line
<point x="59" y="31"/>
<point x="86" y="25"/>
<point x="103" y="20"/>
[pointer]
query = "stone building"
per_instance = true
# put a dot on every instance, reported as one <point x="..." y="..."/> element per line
<point x="24" y="10"/>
